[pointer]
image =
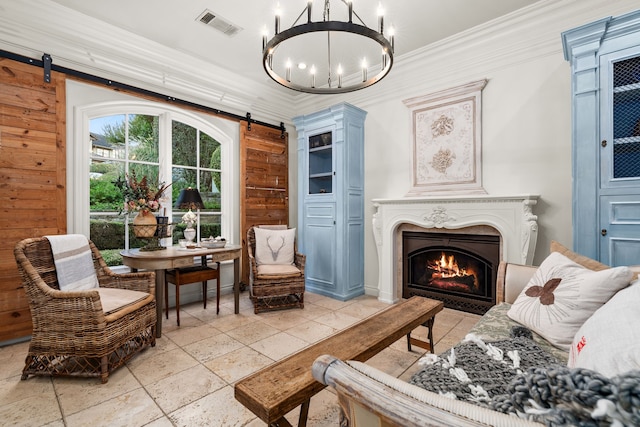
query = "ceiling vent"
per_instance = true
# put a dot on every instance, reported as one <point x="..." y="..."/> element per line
<point x="219" y="23"/>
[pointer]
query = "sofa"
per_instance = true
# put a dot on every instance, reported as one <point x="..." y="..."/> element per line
<point x="581" y="370"/>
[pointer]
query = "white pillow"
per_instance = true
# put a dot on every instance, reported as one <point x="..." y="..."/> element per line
<point x="562" y="295"/>
<point x="609" y="341"/>
<point x="274" y="246"/>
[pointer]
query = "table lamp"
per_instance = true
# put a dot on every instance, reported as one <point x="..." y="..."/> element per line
<point x="189" y="198"/>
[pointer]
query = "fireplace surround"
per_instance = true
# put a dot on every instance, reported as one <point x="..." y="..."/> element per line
<point x="510" y="218"/>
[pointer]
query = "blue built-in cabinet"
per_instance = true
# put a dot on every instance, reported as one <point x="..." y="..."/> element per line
<point x="331" y="200"/>
<point x="605" y="77"/>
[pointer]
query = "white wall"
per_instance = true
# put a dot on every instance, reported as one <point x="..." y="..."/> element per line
<point x="526" y="106"/>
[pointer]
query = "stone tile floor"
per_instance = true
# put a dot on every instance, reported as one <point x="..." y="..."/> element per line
<point x="188" y="378"/>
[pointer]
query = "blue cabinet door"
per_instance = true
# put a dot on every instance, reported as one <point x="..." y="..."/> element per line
<point x="320" y="248"/>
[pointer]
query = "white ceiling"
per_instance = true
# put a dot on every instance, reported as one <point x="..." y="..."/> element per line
<point x="173" y="23"/>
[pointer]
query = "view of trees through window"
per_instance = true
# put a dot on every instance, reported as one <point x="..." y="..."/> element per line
<point x="131" y="143"/>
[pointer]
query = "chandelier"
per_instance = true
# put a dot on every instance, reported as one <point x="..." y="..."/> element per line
<point x="328" y="57"/>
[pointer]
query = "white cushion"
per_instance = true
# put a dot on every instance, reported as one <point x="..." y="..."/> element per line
<point x="562" y="295"/>
<point x="609" y="341"/>
<point x="274" y="246"/>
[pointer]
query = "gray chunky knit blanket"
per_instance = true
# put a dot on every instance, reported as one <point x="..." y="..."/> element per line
<point x="517" y="377"/>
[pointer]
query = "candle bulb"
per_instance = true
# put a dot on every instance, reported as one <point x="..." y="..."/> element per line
<point x="350" y="4"/>
<point x="364" y="70"/>
<point x="309" y="10"/>
<point x="392" y="33"/>
<point x="288" y="75"/>
<point x="339" y="75"/>
<point x="264" y="38"/>
<point x="313" y="76"/>
<point x="278" y="19"/>
<point x="381" y="18"/>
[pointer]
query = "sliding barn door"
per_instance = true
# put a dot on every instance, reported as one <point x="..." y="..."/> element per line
<point x="32" y="177"/>
<point x="263" y="182"/>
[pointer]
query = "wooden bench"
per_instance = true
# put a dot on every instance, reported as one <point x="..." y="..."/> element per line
<point x="277" y="389"/>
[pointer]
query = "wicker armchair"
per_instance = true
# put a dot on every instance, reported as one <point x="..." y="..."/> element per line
<point x="274" y="291"/>
<point x="72" y="335"/>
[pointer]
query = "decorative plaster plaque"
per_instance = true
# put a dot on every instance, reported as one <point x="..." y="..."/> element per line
<point x="447" y="147"/>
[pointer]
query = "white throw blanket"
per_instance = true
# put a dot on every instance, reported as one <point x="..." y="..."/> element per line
<point x="74" y="264"/>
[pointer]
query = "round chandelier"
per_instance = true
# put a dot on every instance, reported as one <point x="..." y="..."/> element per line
<point x="328" y="57"/>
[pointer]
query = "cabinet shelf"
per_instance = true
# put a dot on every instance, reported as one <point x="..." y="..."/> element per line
<point x="323" y="148"/>
<point x="627" y="88"/>
<point x="628" y="140"/>
<point x="321" y="175"/>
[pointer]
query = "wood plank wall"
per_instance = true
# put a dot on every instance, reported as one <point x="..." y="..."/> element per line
<point x="32" y="177"/>
<point x="264" y="182"/>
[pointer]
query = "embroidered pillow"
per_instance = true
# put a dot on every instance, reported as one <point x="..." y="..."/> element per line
<point x="609" y="341"/>
<point x="274" y="246"/>
<point x="562" y="295"/>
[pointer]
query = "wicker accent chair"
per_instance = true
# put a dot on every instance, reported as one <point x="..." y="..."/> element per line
<point x="72" y="335"/>
<point x="274" y="291"/>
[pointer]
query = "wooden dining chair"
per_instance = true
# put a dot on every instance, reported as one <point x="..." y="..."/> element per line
<point x="186" y="275"/>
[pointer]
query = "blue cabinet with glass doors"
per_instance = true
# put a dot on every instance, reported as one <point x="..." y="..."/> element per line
<point x="605" y="71"/>
<point x="331" y="200"/>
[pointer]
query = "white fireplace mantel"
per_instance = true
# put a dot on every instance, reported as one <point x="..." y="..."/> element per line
<point x="511" y="216"/>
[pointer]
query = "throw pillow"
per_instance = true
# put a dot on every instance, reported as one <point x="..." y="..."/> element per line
<point x="562" y="295"/>
<point x="609" y="341"/>
<point x="275" y="246"/>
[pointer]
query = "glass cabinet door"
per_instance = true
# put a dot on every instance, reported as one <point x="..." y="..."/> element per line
<point x="321" y="163"/>
<point x="621" y="160"/>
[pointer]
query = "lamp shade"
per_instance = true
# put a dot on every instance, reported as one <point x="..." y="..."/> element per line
<point x="189" y="198"/>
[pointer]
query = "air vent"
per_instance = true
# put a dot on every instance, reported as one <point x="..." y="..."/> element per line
<point x="219" y="23"/>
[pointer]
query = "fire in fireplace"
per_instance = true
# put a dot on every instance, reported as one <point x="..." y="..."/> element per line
<point x="459" y="269"/>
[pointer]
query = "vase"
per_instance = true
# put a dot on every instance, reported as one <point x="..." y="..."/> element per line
<point x="144" y="224"/>
<point x="189" y="234"/>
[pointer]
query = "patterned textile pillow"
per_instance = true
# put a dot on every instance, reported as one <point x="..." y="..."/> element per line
<point x="609" y="341"/>
<point x="275" y="246"/>
<point x="562" y="295"/>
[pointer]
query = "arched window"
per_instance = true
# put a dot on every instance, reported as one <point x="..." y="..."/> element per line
<point x="116" y="140"/>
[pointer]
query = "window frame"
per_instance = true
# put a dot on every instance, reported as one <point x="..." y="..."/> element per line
<point x="79" y="158"/>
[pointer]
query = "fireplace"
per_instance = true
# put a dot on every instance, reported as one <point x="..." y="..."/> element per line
<point x="458" y="269"/>
<point x="511" y="218"/>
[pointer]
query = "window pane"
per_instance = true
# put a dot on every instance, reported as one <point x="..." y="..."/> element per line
<point x="210" y="226"/>
<point x="184" y="143"/>
<point x="143" y="138"/>
<point x="107" y="137"/>
<point x="142" y="170"/>
<point x="182" y="178"/>
<point x="209" y="184"/>
<point x="209" y="152"/>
